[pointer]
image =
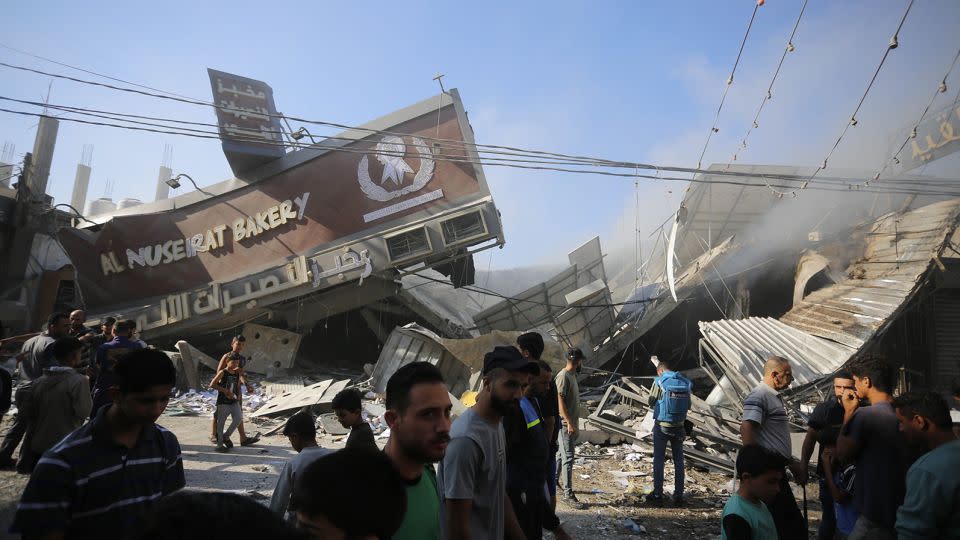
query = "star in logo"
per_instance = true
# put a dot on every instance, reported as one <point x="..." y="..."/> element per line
<point x="394" y="167"/>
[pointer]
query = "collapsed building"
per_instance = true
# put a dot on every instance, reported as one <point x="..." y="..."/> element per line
<point x="316" y="240"/>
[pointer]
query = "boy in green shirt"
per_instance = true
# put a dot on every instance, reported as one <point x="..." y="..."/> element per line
<point x="745" y="516"/>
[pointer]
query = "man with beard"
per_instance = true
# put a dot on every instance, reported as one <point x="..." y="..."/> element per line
<point x="418" y="413"/>
<point x="472" y="476"/>
<point x="828" y="414"/>
<point x="930" y="507"/>
<point x="568" y="389"/>
<point x="528" y="448"/>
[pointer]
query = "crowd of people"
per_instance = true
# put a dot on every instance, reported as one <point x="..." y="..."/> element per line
<point x="887" y="465"/>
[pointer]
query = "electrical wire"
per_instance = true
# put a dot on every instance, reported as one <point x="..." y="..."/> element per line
<point x="893" y="44"/>
<point x="723" y="99"/>
<point x="503" y="162"/>
<point x="941" y="88"/>
<point x="463" y="144"/>
<point x="488" y="292"/>
<point x="769" y="95"/>
<point x="192" y="101"/>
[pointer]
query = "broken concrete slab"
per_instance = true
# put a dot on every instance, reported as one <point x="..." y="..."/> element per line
<point x="317" y="394"/>
<point x="195" y="355"/>
<point x="187" y="374"/>
<point x="331" y="426"/>
<point x="269" y="350"/>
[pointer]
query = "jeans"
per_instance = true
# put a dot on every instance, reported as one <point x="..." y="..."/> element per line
<point x="223" y="411"/>
<point x="565" y="459"/>
<point x="18" y="429"/>
<point x="828" y="521"/>
<point x="675" y="435"/>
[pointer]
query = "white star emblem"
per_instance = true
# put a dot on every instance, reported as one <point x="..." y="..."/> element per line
<point x="394" y="167"/>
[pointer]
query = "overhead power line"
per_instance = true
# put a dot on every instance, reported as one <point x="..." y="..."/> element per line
<point x="726" y="89"/>
<point x="188" y="132"/>
<point x="893" y="44"/>
<point x="474" y="146"/>
<point x="941" y="88"/>
<point x="178" y="129"/>
<point x="484" y="162"/>
<point x="788" y="48"/>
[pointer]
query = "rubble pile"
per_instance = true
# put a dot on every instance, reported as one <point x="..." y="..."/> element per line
<point x="714" y="434"/>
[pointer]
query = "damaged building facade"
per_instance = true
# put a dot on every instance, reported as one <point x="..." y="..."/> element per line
<point x="314" y="241"/>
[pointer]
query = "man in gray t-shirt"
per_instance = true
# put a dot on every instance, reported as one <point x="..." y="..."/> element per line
<point x="472" y="475"/>
<point x="35" y="356"/>
<point x="765" y="423"/>
<point x="568" y="395"/>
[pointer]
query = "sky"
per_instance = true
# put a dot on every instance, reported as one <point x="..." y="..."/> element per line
<point x="632" y="81"/>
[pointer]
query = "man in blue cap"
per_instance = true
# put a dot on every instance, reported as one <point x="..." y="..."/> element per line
<point x="472" y="476"/>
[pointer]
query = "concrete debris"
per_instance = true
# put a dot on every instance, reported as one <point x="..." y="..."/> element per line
<point x="191" y="354"/>
<point x="319" y="394"/>
<point x="269" y="350"/>
<point x="204" y="402"/>
<point x="712" y="444"/>
<point x="460" y="360"/>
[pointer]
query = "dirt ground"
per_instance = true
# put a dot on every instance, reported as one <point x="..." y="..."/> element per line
<point x="610" y="481"/>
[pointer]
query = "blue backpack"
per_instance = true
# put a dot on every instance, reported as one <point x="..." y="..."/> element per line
<point x="675" y="399"/>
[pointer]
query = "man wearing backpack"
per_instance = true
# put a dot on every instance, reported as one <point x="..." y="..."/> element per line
<point x="670" y="398"/>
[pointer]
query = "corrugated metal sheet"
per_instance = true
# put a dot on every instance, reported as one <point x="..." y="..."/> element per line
<point x="899" y="250"/>
<point x="830" y="325"/>
<point x="540" y="303"/>
<point x="742" y="346"/>
<point x="413" y="344"/>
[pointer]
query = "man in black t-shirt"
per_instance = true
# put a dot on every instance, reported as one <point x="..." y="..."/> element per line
<point x="527" y="452"/>
<point x="531" y="347"/>
<point x="828" y="414"/>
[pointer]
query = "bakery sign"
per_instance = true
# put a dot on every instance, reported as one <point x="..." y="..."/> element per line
<point x="210" y="240"/>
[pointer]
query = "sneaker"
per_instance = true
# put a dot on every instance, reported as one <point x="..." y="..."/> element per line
<point x="654" y="500"/>
<point x="222" y="448"/>
<point x="250" y="441"/>
<point x="228" y="443"/>
<point x="679" y="502"/>
<point x="573" y="502"/>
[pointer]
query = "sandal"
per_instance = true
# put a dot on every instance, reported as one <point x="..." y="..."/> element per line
<point x="250" y="441"/>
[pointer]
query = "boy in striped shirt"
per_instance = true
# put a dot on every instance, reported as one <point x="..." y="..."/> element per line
<point x="101" y="480"/>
